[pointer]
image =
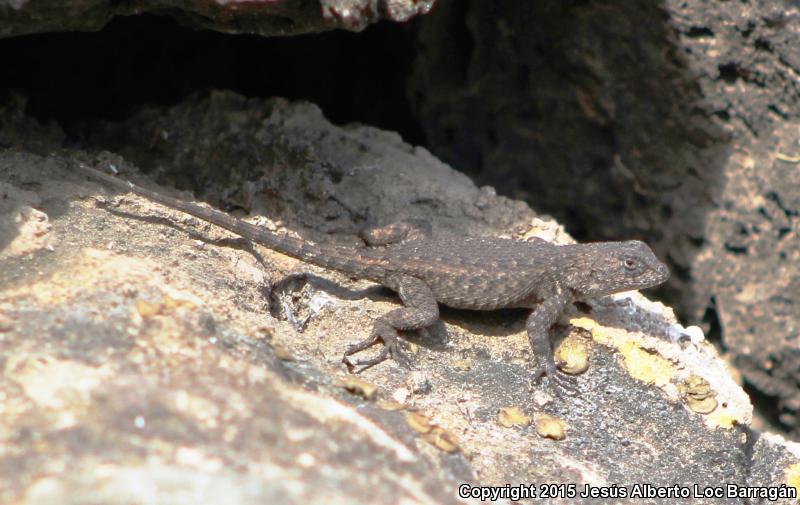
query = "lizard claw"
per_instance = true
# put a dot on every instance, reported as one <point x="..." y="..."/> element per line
<point x="392" y="348"/>
<point x="561" y="384"/>
<point x="564" y="384"/>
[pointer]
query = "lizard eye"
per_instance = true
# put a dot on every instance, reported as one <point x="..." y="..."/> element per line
<point x="629" y="263"/>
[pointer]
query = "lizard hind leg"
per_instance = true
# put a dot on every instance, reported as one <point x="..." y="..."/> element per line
<point x="420" y="311"/>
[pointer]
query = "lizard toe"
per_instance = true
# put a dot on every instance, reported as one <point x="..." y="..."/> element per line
<point x="564" y="385"/>
<point x="363" y="364"/>
<point x="392" y="348"/>
<point x="561" y="384"/>
<point x="360" y="346"/>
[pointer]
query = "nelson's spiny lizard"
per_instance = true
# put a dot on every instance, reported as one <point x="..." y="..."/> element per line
<point x="460" y="272"/>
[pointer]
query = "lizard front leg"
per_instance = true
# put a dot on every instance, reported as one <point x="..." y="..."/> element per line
<point x="538" y="326"/>
<point x="420" y="311"/>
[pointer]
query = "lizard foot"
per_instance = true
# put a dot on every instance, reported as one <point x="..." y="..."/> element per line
<point x="392" y="348"/>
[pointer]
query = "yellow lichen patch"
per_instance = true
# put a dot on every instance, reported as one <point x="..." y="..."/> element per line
<point x="418" y="422"/>
<point x="572" y="355"/>
<point x="654" y="364"/>
<point x="793" y="476"/>
<point x="551" y="427"/>
<point x="429" y="431"/>
<point x="644" y="366"/>
<point x="442" y="439"/>
<point x="698" y="395"/>
<point x="512" y="416"/>
<point x="390" y="405"/>
<point x="722" y="418"/>
<point x="356" y="386"/>
<point x="704" y="406"/>
<point x="640" y="364"/>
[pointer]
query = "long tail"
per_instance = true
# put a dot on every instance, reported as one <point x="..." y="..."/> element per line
<point x="343" y="259"/>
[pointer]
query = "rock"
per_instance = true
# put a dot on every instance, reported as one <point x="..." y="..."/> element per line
<point x="675" y="121"/>
<point x="139" y="365"/>
<point x="273" y="17"/>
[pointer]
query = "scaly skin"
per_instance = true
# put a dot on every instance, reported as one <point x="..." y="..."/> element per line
<point x="464" y="273"/>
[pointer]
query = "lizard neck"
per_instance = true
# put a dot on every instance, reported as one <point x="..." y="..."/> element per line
<point x="576" y="269"/>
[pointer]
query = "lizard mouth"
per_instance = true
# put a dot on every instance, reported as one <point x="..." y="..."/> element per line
<point x="657" y="276"/>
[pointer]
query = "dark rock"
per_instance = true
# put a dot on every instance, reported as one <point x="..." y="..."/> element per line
<point x="674" y="122"/>
<point x="265" y="17"/>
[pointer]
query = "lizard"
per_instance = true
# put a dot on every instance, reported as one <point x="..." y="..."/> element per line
<point x="474" y="273"/>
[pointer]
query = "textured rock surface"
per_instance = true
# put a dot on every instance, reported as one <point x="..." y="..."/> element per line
<point x="682" y="117"/>
<point x="140" y="359"/>
<point x="265" y="17"/>
<point x="748" y="269"/>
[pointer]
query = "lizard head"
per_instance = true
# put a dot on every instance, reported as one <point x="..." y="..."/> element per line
<point x="606" y="268"/>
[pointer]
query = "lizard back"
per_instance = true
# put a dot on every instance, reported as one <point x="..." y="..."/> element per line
<point x="478" y="273"/>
